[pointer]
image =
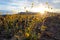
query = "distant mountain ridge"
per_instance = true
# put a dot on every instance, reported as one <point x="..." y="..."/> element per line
<point x="4" y="12"/>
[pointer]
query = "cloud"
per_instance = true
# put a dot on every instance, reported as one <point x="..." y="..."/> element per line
<point x="15" y="5"/>
<point x="56" y="1"/>
<point x="18" y="5"/>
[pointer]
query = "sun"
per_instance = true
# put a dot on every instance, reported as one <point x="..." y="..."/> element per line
<point x="41" y="9"/>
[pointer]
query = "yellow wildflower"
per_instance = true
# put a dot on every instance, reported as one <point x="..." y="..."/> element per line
<point x="43" y="28"/>
<point x="26" y="34"/>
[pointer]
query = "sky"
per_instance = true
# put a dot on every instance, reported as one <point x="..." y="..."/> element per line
<point x="18" y="5"/>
